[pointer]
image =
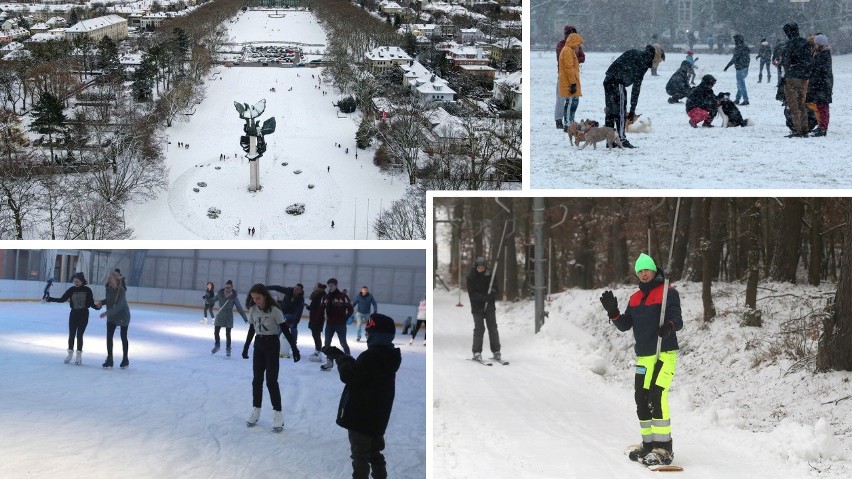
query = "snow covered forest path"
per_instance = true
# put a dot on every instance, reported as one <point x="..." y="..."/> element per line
<point x="562" y="410"/>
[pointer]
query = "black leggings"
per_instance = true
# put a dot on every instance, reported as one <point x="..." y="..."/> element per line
<point x="417" y="328"/>
<point x="265" y="362"/>
<point x="208" y="307"/>
<point x="76" y="328"/>
<point x="227" y="336"/>
<point x="316" y="332"/>
<point x="110" y="331"/>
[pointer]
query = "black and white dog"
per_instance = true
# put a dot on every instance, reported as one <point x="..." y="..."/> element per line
<point x="729" y="112"/>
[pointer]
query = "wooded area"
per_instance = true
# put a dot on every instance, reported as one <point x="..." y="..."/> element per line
<point x="592" y="242"/>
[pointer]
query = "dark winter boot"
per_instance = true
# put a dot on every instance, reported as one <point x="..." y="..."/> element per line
<point x="215" y="348"/>
<point x="661" y="454"/>
<point x="640" y="451"/>
<point x="124" y="363"/>
<point x="558" y="125"/>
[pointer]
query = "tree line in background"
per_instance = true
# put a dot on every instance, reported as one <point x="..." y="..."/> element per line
<point x="592" y="242"/>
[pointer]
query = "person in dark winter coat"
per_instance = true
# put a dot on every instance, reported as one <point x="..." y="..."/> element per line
<point x="740" y="61"/>
<point x="764" y="54"/>
<point x="337" y="309"/>
<point x="777" y="60"/>
<point x="701" y="103"/>
<point x="227" y="298"/>
<point x="316" y="319"/>
<point x="627" y="70"/>
<point x="654" y="373"/>
<point x="367" y="399"/>
<point x="678" y="85"/>
<point x="821" y="83"/>
<point x="81" y="299"/>
<point x="364" y="304"/>
<point x="483" y="297"/>
<point x="797" y="62"/>
<point x="209" y="301"/>
<point x="292" y="305"/>
<point x="117" y="314"/>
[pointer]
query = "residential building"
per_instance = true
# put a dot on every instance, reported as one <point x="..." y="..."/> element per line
<point x="111" y="26"/>
<point x="386" y="57"/>
<point x="470" y="35"/>
<point x="509" y="88"/>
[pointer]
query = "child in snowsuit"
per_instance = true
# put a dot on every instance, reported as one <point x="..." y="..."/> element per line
<point x="367" y="399"/>
<point x="81" y="299"/>
<point x="653" y="374"/>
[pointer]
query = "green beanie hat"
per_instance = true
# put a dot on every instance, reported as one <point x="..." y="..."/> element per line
<point x="645" y="262"/>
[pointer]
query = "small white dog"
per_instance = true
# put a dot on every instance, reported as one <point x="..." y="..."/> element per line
<point x="643" y="126"/>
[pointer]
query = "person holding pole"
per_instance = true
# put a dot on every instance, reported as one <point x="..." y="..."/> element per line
<point x="483" y="295"/>
<point x="654" y="314"/>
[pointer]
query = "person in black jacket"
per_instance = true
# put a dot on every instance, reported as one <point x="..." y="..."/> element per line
<point x="209" y="301"/>
<point x="701" y="103"/>
<point x="81" y="299"/>
<point x="654" y="372"/>
<point x="367" y="399"/>
<point x="627" y="70"/>
<point x="740" y="61"/>
<point x="821" y="82"/>
<point x="483" y="295"/>
<point x="678" y="85"/>
<point x="764" y="54"/>
<point x="797" y="71"/>
<point x="292" y="305"/>
<point x="316" y="320"/>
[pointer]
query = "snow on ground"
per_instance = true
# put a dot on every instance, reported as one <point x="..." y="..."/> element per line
<point x="677" y="156"/>
<point x="178" y="411"/>
<point x="332" y="184"/>
<point x="564" y="407"/>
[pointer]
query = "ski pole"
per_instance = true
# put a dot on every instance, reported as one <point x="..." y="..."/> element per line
<point x="666" y="284"/>
<point x="496" y="263"/>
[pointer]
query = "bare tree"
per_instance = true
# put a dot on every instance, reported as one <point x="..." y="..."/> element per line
<point x="405" y="219"/>
<point x="126" y="173"/>
<point x="404" y="137"/>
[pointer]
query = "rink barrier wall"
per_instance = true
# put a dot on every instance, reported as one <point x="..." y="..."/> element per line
<point x="16" y="290"/>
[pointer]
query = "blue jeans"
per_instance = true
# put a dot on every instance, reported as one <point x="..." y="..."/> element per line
<point x="340" y="330"/>
<point x="359" y="319"/>
<point x="566" y="107"/>
<point x="741" y="86"/>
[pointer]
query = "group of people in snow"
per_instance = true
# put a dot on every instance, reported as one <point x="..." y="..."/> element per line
<point x="804" y="71"/>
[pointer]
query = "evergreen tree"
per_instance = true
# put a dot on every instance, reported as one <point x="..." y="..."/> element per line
<point x="108" y="56"/>
<point x="73" y="19"/>
<point x="410" y="44"/>
<point x="48" y="118"/>
<point x="366" y="132"/>
<point x="143" y="79"/>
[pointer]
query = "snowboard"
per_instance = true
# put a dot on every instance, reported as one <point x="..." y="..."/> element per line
<point x="655" y="467"/>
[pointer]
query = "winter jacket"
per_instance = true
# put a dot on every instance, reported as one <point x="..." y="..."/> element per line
<point x="209" y="297"/>
<point x="336" y="307"/>
<point x="81" y="299"/>
<point x="797" y="59"/>
<point x="702" y="96"/>
<point x="291" y="304"/>
<point x="367" y="399"/>
<point x="363" y="304"/>
<point x="477" y="290"/>
<point x="742" y="54"/>
<point x="643" y="316"/>
<point x="569" y="67"/>
<point x="764" y="52"/>
<point x="678" y="84"/>
<point x="315" y="315"/>
<point x="225" y="315"/>
<point x="118" y="312"/>
<point x="629" y="69"/>
<point x="822" y="80"/>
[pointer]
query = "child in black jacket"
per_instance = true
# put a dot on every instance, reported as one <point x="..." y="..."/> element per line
<point x="367" y="398"/>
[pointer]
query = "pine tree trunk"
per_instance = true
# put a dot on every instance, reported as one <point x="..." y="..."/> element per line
<point x="706" y="267"/>
<point x="835" y="344"/>
<point x="815" y="240"/>
<point x="752" y="316"/>
<point x="681" y="239"/>
<point x="788" y="241"/>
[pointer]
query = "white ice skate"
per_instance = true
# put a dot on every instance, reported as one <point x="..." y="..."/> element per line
<point x="255" y="415"/>
<point x="68" y="358"/>
<point x="277" y="421"/>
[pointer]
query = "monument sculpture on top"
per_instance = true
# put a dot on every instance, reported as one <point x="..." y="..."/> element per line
<point x="252" y="142"/>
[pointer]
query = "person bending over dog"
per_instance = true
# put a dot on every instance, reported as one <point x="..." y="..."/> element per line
<point x="627" y="70"/>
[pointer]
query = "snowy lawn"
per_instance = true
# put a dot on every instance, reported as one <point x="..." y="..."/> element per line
<point x="178" y="411"/>
<point x="674" y="155"/>
<point x="332" y="184"/>
<point x="564" y="407"/>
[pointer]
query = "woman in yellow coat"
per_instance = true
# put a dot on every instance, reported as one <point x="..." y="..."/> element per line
<point x="569" y="75"/>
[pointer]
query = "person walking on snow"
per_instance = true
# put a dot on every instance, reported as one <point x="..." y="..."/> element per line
<point x="740" y="61"/>
<point x="421" y="321"/>
<point x="227" y="298"/>
<point x="336" y="307"/>
<point x="265" y="325"/>
<point x="764" y="54"/>
<point x="364" y="301"/>
<point x="797" y="60"/>
<point x="81" y="299"/>
<point x="653" y="374"/>
<point x="209" y="301"/>
<point x="483" y="296"/>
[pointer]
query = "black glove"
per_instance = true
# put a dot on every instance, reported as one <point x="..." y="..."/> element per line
<point x="333" y="352"/>
<point x="245" y="351"/>
<point x="666" y="329"/>
<point x="573" y="88"/>
<point x="726" y="68"/>
<point x="296" y="355"/>
<point x="610" y="304"/>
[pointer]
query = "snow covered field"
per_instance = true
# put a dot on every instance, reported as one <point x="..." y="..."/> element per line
<point x="178" y="411"/>
<point x="564" y="407"/>
<point x="677" y="156"/>
<point x="333" y="184"/>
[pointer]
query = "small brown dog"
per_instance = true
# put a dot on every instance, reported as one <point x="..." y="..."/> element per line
<point x="595" y="134"/>
<point x="577" y="131"/>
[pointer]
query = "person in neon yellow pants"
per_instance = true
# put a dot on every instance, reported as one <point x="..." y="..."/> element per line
<point x="653" y="376"/>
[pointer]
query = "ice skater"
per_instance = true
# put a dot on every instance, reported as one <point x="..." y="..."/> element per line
<point x="227" y="298"/>
<point x="421" y="321"/>
<point x="266" y="322"/>
<point x="118" y="316"/>
<point x="336" y="307"/>
<point x="209" y="301"/>
<point x="363" y="303"/>
<point x="81" y="299"/>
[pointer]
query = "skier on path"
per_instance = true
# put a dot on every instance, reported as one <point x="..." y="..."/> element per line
<point x="653" y="375"/>
<point x="483" y="295"/>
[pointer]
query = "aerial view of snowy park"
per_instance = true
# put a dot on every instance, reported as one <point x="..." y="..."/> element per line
<point x="310" y="160"/>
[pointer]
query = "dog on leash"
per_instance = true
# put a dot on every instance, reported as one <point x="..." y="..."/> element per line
<point x="577" y="131"/>
<point x="643" y="126"/>
<point x="729" y="112"/>
<point x="599" y="133"/>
